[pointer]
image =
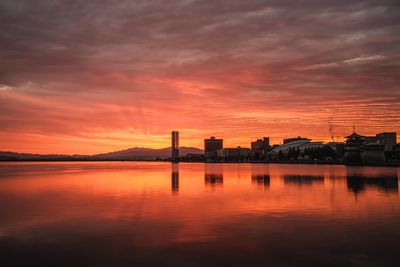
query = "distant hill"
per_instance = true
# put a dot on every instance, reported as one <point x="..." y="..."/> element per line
<point x="136" y="153"/>
<point x="27" y="156"/>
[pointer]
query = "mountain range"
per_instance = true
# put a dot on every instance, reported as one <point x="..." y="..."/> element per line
<point x="136" y="153"/>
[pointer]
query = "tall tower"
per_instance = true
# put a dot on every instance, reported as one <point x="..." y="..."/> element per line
<point x="175" y="146"/>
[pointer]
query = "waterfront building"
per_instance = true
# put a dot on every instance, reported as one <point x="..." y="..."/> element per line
<point x="259" y="148"/>
<point x="352" y="149"/>
<point x="299" y="144"/>
<point x="237" y="153"/>
<point x="371" y="139"/>
<point x="338" y="148"/>
<point x="298" y="138"/>
<point x="372" y="153"/>
<point x="192" y="157"/>
<point x="175" y="146"/>
<point x="369" y="149"/>
<point x="211" y="146"/>
<point x="388" y="139"/>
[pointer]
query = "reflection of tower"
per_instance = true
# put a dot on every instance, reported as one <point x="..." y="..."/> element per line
<point x="175" y="178"/>
<point x="213" y="176"/>
<point x="260" y="176"/>
<point x="175" y="146"/>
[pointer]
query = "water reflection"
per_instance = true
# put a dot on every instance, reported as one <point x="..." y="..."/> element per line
<point x="260" y="176"/>
<point x="127" y="214"/>
<point x="175" y="178"/>
<point x="303" y="179"/>
<point x="213" y="176"/>
<point x="364" y="178"/>
<point x="358" y="184"/>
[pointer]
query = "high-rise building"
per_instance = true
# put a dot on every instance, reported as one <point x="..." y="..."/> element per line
<point x="211" y="146"/>
<point x="175" y="145"/>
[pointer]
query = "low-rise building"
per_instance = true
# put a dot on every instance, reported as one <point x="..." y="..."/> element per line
<point x="237" y="153"/>
<point x="373" y="153"/>
<point x="298" y="144"/>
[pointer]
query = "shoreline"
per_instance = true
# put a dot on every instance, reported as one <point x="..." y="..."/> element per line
<point x="294" y="162"/>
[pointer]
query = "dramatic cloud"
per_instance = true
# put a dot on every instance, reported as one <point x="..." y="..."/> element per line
<point x="92" y="76"/>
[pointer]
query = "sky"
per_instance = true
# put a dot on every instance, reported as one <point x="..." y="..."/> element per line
<point x="84" y="77"/>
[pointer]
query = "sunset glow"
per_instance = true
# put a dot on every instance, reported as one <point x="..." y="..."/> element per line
<point x="81" y="77"/>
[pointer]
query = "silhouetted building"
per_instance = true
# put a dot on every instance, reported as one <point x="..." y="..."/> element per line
<point x="338" y="148"/>
<point x="288" y="140"/>
<point x="372" y="153"/>
<point x="175" y="146"/>
<point x="371" y="139"/>
<point x="260" y="148"/>
<point x="294" y="148"/>
<point x="274" y="146"/>
<point x="238" y="153"/>
<point x="388" y="139"/>
<point x="193" y="157"/>
<point x="369" y="149"/>
<point x="352" y="149"/>
<point x="211" y="146"/>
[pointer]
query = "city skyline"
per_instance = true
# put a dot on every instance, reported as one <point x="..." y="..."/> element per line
<point x="174" y="143"/>
<point x="81" y="77"/>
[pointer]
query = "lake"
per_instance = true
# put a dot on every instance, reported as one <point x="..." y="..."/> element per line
<point x="195" y="214"/>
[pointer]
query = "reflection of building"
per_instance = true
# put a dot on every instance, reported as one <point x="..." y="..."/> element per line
<point x="303" y="179"/>
<point x="211" y="146"/>
<point x="175" y="146"/>
<point x="358" y="183"/>
<point x="260" y="148"/>
<point x="213" y="176"/>
<point x="260" y="175"/>
<point x="175" y="178"/>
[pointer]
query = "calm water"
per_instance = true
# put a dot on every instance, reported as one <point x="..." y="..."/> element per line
<point x="159" y="214"/>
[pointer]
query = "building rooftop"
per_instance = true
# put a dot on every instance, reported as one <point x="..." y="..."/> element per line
<point x="355" y="135"/>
